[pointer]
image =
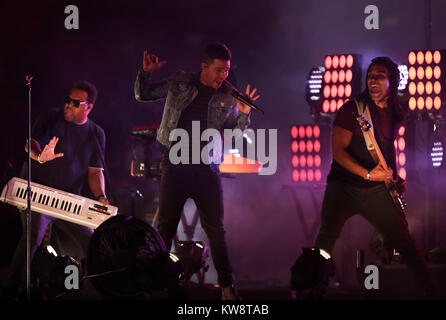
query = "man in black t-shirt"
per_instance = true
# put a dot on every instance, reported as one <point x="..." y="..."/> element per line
<point x="73" y="154"/>
<point x="356" y="184"/>
<point x="192" y="99"/>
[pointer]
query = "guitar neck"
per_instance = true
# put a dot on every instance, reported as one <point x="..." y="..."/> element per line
<point x="382" y="161"/>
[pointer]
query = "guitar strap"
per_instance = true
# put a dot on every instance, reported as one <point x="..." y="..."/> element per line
<point x="363" y="110"/>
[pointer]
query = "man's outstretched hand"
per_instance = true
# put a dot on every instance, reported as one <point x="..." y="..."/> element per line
<point x="47" y="153"/>
<point x="150" y="62"/>
<point x="250" y="95"/>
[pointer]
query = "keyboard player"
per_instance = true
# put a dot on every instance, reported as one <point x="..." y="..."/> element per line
<point x="73" y="153"/>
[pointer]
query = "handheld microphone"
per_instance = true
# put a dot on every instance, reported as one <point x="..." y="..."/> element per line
<point x="242" y="97"/>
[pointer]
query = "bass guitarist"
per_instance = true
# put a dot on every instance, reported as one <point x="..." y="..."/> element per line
<point x="356" y="184"/>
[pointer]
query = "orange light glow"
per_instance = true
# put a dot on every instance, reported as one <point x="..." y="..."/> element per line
<point x="437" y="57"/>
<point x="420" y="103"/>
<point x="412" y="103"/>
<point x="428" y="57"/>
<point x="437" y="103"/>
<point x="412" y="57"/>
<point x="412" y="73"/>
<point x="420" y="73"/>
<point x="420" y="57"/>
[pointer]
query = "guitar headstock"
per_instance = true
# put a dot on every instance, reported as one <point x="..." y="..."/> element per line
<point x="363" y="123"/>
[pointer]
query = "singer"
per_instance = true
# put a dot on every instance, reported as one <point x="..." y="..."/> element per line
<point x="205" y="97"/>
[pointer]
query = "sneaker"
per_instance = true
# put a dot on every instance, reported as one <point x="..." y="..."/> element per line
<point x="229" y="293"/>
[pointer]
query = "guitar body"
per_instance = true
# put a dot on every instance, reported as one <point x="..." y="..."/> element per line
<point x="397" y="198"/>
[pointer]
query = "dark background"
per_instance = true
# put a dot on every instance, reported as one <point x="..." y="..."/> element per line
<point x="274" y="46"/>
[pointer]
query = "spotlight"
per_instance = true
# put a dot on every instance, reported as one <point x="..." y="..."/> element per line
<point x="310" y="274"/>
<point x="48" y="273"/>
<point x="437" y="147"/>
<point x="127" y="258"/>
<point x="426" y="82"/>
<point x="193" y="256"/>
<point x="309" y="153"/>
<point x="314" y="90"/>
<point x="400" y="148"/>
<point x="341" y="81"/>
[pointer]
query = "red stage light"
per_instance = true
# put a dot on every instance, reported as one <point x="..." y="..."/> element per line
<point x="334" y="91"/>
<point x="318" y="175"/>
<point x="348" y="75"/>
<point x="309" y="131"/>
<point x="349" y="61"/>
<point x="294" y="132"/>
<point x="341" y="91"/>
<point x="294" y="146"/>
<point x="342" y="61"/>
<point x="310" y="161"/>
<point x="327" y="62"/>
<point x="333" y="105"/>
<point x="327" y="76"/>
<point x="402" y="159"/>
<point x="295" y="175"/>
<point x="317" y="146"/>
<point x="302" y="146"/>
<point x="302" y="161"/>
<point x="303" y="175"/>
<point x="335" y="62"/>
<point x="326" y="106"/>
<point x="295" y="161"/>
<point x="310" y="175"/>
<point x="301" y="132"/>
<point x="401" y="131"/>
<point x="327" y="91"/>
<point x="401" y="144"/>
<point x="309" y="146"/>
<point x="334" y="76"/>
<point x="348" y="90"/>
<point x="402" y="173"/>
<point x="340" y="103"/>
<point x="316" y="131"/>
<point x="341" y="76"/>
<point x="317" y="160"/>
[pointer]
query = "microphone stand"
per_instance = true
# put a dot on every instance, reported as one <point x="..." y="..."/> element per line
<point x="28" y="79"/>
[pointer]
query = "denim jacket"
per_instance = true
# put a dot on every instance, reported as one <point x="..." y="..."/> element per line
<point x="179" y="91"/>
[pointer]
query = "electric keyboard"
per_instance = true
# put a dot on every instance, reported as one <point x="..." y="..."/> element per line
<point x="57" y="203"/>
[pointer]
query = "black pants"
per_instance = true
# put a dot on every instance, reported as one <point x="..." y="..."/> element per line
<point x="342" y="200"/>
<point x="200" y="183"/>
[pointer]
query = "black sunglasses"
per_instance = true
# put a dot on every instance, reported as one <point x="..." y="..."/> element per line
<point x="76" y="103"/>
